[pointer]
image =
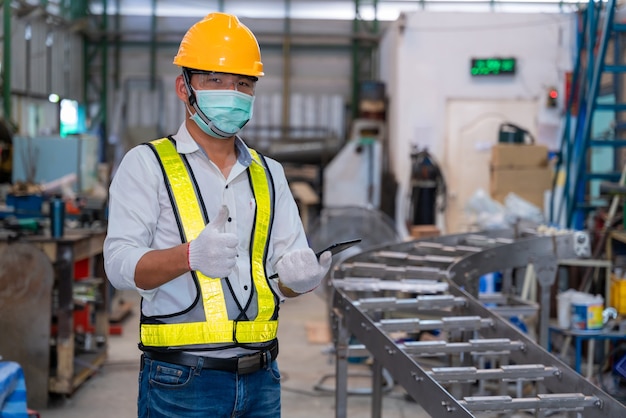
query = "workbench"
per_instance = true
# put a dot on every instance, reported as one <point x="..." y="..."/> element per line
<point x="70" y="367"/>
<point x="580" y="336"/>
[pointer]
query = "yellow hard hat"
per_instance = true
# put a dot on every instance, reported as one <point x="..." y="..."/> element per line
<point x="221" y="43"/>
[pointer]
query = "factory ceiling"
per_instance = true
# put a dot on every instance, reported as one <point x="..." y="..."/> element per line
<point x="319" y="9"/>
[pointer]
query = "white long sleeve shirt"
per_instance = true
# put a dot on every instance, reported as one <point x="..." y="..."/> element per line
<point x="141" y="219"/>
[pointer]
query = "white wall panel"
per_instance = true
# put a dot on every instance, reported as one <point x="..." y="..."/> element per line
<point x="425" y="61"/>
<point x="38" y="66"/>
<point x="38" y="69"/>
<point x="18" y="55"/>
<point x="62" y="76"/>
<point x="72" y="51"/>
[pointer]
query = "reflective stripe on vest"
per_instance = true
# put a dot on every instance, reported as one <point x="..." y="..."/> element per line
<point x="217" y="328"/>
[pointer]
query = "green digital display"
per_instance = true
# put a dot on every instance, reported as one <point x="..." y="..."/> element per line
<point x="492" y="66"/>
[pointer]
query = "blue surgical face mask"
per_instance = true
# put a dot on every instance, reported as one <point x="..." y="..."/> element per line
<point x="226" y="110"/>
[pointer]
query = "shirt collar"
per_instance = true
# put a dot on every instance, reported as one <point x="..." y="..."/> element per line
<point x="185" y="144"/>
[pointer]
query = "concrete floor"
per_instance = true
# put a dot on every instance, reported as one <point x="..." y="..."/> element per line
<point x="303" y="362"/>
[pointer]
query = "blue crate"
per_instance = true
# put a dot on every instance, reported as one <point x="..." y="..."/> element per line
<point x="25" y="206"/>
<point x="620" y="367"/>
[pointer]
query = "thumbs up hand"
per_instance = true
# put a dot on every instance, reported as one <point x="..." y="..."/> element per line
<point x="213" y="252"/>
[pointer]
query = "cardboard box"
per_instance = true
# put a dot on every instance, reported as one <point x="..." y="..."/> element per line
<point x="518" y="156"/>
<point x="424" y="231"/>
<point x="527" y="180"/>
<point x="536" y="199"/>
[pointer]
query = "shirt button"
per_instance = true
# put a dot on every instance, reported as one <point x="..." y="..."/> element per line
<point x="227" y="186"/>
<point x="230" y="219"/>
<point x="245" y="287"/>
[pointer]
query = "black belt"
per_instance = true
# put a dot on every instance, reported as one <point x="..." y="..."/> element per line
<point x="242" y="365"/>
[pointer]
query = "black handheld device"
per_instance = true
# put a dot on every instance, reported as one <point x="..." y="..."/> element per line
<point x="338" y="247"/>
<point x="334" y="249"/>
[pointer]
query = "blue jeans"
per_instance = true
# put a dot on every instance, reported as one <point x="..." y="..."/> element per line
<point x="172" y="391"/>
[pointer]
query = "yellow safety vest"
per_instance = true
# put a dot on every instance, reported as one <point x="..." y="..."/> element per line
<point x="217" y="327"/>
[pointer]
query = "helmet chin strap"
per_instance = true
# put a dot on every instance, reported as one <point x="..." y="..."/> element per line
<point x="191" y="98"/>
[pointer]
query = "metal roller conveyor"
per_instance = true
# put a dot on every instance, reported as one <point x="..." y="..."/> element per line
<point x="560" y="402"/>
<point x="508" y="373"/>
<point x="371" y="284"/>
<point x="475" y="359"/>
<point x="495" y="346"/>
<point x="418" y="303"/>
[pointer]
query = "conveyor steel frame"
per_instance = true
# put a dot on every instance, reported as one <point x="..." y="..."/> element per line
<point x="501" y="251"/>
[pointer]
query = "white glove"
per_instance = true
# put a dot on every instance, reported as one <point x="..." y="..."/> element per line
<point x="300" y="271"/>
<point x="213" y="253"/>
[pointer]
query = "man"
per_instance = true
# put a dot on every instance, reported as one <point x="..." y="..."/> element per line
<point x="199" y="225"/>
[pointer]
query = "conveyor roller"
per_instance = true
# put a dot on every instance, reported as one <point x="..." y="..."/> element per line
<point x="475" y="360"/>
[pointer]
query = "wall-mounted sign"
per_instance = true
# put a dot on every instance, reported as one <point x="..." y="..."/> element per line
<point x="492" y="66"/>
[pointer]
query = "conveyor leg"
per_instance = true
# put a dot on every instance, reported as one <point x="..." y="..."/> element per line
<point x="546" y="274"/>
<point x="591" y="348"/>
<point x="341" y="367"/>
<point x="377" y="389"/>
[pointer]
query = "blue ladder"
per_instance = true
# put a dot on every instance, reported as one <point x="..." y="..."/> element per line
<point x="576" y="146"/>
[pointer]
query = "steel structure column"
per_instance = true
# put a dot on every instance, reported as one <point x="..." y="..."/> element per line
<point x="364" y="44"/>
<point x="153" y="47"/>
<point x="96" y="58"/>
<point x="6" y="61"/>
<point x="117" y="48"/>
<point x="104" y="53"/>
<point x="286" y="102"/>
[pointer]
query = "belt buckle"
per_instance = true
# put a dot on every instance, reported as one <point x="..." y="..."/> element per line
<point x="248" y="364"/>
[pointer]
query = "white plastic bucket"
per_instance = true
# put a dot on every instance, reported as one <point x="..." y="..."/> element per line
<point x="564" y="306"/>
<point x="586" y="312"/>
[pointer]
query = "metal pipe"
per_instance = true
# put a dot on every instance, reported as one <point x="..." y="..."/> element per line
<point x="153" y="49"/>
<point x="105" y="74"/>
<point x="264" y="46"/>
<point x="377" y="389"/>
<point x="303" y="36"/>
<point x="117" y="46"/>
<point x="355" y="61"/>
<point x="6" y="61"/>
<point x="28" y="36"/>
<point x="286" y="105"/>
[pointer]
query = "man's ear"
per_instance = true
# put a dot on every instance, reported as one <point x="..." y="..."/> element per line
<point x="181" y="88"/>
